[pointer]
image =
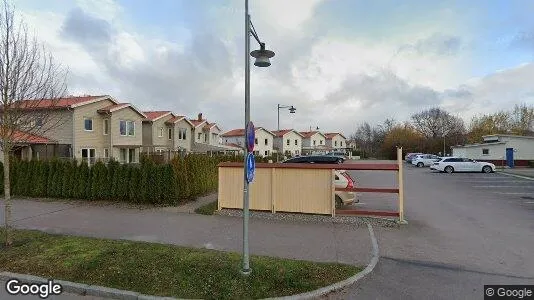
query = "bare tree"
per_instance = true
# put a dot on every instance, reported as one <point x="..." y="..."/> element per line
<point x="31" y="84"/>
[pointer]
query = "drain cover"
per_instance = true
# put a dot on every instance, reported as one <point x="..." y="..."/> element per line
<point x="528" y="197"/>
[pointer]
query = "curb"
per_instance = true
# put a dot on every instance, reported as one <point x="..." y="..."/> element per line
<point x="342" y="284"/>
<point x="83" y="289"/>
<point x="515" y="175"/>
<point x="100" y="291"/>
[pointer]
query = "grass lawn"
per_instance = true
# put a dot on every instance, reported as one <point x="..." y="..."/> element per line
<point x="207" y="209"/>
<point x="163" y="270"/>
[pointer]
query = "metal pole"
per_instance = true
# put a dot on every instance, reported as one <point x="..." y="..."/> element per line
<point x="401" y="186"/>
<point x="278" y="123"/>
<point x="246" y="268"/>
<point x="444" y="146"/>
<point x="282" y="138"/>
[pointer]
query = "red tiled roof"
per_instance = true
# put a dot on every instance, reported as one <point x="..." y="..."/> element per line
<point x="152" y="115"/>
<point x="55" y="103"/>
<point x="235" y="132"/>
<point x="114" y="107"/>
<point x="330" y="135"/>
<point x="174" y="119"/>
<point x="25" y="137"/>
<point x="308" y="134"/>
<point x="281" y="133"/>
<point x="197" y="122"/>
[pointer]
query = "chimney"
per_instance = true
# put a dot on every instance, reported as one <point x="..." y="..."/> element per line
<point x="200" y="116"/>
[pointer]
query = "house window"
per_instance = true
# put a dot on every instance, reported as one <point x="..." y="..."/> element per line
<point x="170" y="133"/>
<point x="123" y="155"/>
<point x="256" y="152"/>
<point x="296" y="142"/>
<point x="131" y="155"/>
<point x="341" y="143"/>
<point x="39" y="122"/>
<point x="106" y="153"/>
<point x="127" y="128"/>
<point x="321" y="142"/>
<point x="205" y="138"/>
<point x="88" y="124"/>
<point x="199" y="136"/>
<point x="266" y="153"/>
<point x="485" y="151"/>
<point x="88" y="155"/>
<point x="287" y="142"/>
<point x="106" y="126"/>
<point x="314" y="142"/>
<point x="160" y="132"/>
<point x="266" y="142"/>
<point x="182" y="133"/>
<point x="255" y="141"/>
<point x="335" y="143"/>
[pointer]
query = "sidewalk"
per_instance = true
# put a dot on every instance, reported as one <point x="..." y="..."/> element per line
<point x="527" y="172"/>
<point x="325" y="242"/>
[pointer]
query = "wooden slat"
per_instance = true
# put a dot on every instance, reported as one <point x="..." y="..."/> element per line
<point x="367" y="166"/>
<point x="369" y="190"/>
<point x="367" y="212"/>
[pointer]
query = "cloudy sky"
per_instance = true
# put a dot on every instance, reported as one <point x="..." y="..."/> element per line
<point x="339" y="62"/>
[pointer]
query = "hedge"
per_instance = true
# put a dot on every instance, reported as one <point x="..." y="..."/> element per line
<point x="146" y="183"/>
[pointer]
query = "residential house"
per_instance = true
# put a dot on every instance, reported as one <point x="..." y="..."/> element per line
<point x="163" y="131"/>
<point x="288" y="142"/>
<point x="264" y="140"/>
<point x="500" y="149"/>
<point x="206" y="136"/>
<point x="90" y="128"/>
<point x="313" y="141"/>
<point x="336" y="141"/>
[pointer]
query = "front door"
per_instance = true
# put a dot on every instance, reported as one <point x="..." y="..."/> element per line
<point x="510" y="157"/>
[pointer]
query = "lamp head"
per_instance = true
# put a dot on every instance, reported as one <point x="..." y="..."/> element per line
<point x="262" y="56"/>
<point x="292" y="109"/>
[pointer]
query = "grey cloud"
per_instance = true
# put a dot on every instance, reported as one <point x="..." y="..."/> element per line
<point x="437" y="44"/>
<point x="460" y="92"/>
<point x="83" y="28"/>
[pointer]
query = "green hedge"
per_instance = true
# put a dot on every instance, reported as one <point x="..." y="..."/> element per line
<point x="146" y="183"/>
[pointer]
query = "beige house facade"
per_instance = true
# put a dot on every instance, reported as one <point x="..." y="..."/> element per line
<point x="264" y="140"/>
<point x="288" y="142"/>
<point x="336" y="141"/>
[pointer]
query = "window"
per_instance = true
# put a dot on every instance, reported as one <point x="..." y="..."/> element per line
<point x="321" y="142"/>
<point x="266" y="142"/>
<point x="255" y="141"/>
<point x="314" y="142"/>
<point x="266" y="153"/>
<point x="106" y="126"/>
<point x="199" y="136"/>
<point x="131" y="155"/>
<point x="39" y="122"/>
<point x="123" y="155"/>
<point x="127" y="128"/>
<point x="205" y="138"/>
<point x="131" y="128"/>
<point x="122" y="127"/>
<point x="106" y="153"/>
<point x="335" y="143"/>
<point x="182" y="133"/>
<point x="485" y="151"/>
<point x="88" y="124"/>
<point x="88" y="155"/>
<point x="160" y="134"/>
<point x="226" y="140"/>
<point x="169" y="133"/>
<point x="287" y="142"/>
<point x="256" y="152"/>
<point x="341" y="143"/>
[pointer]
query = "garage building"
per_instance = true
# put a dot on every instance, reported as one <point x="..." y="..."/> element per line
<point x="500" y="149"/>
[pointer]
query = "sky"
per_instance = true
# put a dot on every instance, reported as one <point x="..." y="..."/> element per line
<point x="339" y="62"/>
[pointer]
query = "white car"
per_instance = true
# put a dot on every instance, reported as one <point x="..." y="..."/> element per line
<point x="424" y="160"/>
<point x="460" y="164"/>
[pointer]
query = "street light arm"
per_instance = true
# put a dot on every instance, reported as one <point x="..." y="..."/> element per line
<point x="284" y="106"/>
<point x="255" y="34"/>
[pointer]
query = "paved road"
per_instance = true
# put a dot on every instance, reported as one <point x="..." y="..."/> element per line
<point x="465" y="230"/>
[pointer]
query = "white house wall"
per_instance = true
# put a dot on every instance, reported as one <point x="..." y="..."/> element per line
<point x="524" y="147"/>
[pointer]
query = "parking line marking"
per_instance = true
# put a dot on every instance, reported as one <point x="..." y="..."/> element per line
<point x="529" y="202"/>
<point x="503" y="186"/>
<point x="485" y="181"/>
<point x="514" y="193"/>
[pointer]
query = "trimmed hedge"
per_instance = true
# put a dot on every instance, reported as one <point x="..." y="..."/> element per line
<point x="145" y="183"/>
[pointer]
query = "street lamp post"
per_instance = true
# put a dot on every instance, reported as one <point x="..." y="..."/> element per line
<point x="262" y="57"/>
<point x="292" y="110"/>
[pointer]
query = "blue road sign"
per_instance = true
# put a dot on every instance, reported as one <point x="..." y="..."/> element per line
<point x="251" y="136"/>
<point x="251" y="167"/>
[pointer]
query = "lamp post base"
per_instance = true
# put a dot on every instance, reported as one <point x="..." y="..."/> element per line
<point x="246" y="272"/>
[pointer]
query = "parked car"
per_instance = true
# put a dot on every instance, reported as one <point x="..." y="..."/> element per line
<point x="460" y="164"/>
<point x="424" y="160"/>
<point x="342" y="179"/>
<point x="409" y="156"/>
<point x="339" y="154"/>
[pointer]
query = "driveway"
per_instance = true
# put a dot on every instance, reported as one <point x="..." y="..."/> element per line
<point x="464" y="231"/>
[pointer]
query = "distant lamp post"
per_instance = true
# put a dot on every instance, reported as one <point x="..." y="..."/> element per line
<point x="262" y="57"/>
<point x="291" y="109"/>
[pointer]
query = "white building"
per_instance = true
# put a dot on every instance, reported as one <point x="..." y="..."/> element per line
<point x="264" y="141"/>
<point x="288" y="142"/>
<point x="313" y="141"/>
<point x="500" y="149"/>
<point x="336" y="141"/>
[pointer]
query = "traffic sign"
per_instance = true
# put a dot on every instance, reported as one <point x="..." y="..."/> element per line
<point x="251" y="136"/>
<point x="251" y="167"/>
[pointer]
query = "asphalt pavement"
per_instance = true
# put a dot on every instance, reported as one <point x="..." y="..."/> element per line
<point x="465" y="230"/>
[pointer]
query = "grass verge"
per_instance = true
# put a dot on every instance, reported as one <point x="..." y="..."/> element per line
<point x="207" y="209"/>
<point x="163" y="270"/>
